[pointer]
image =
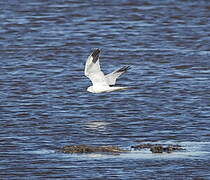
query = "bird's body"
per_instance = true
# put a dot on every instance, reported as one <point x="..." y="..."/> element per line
<point x="102" y="89"/>
<point x="101" y="83"/>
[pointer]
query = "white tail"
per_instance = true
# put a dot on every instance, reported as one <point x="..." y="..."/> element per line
<point x="116" y="89"/>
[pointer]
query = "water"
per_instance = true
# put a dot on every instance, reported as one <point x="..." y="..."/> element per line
<point x="44" y="104"/>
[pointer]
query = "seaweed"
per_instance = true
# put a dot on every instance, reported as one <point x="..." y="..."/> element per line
<point x="158" y="148"/>
<point x="91" y="149"/>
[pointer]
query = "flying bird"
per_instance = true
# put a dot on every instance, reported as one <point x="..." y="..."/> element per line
<point x="101" y="83"/>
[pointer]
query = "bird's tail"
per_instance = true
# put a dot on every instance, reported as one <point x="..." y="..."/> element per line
<point x="118" y="88"/>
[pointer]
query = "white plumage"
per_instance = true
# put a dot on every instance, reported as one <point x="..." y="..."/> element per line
<point x="101" y="83"/>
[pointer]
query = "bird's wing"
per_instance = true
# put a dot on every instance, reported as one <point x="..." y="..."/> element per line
<point x="93" y="70"/>
<point x="112" y="77"/>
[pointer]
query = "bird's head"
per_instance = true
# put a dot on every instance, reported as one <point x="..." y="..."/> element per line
<point x="90" y="89"/>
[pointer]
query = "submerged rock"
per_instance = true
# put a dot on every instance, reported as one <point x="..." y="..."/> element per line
<point x="159" y="148"/>
<point x="91" y="149"/>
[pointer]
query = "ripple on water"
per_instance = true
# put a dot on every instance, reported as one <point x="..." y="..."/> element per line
<point x="44" y="104"/>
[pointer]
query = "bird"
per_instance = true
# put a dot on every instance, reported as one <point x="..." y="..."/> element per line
<point x="101" y="83"/>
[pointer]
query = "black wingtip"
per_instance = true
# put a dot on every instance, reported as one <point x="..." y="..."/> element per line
<point x="95" y="55"/>
<point x="123" y="69"/>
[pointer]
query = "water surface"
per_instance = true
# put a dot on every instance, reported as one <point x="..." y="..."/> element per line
<point x="44" y="104"/>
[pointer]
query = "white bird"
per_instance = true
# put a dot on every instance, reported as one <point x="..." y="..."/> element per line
<point x="101" y="83"/>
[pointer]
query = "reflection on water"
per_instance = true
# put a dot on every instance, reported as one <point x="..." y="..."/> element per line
<point x="97" y="125"/>
<point x="44" y="104"/>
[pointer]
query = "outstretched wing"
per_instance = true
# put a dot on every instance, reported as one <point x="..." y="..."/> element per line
<point x="93" y="70"/>
<point x="112" y="77"/>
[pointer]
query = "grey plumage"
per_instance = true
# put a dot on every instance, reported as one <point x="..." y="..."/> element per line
<point x="112" y="77"/>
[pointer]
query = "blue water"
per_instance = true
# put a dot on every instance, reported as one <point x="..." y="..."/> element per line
<point x="44" y="104"/>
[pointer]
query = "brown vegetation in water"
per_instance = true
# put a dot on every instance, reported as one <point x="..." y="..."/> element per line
<point x="91" y="149"/>
<point x="159" y="148"/>
<point x="154" y="148"/>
